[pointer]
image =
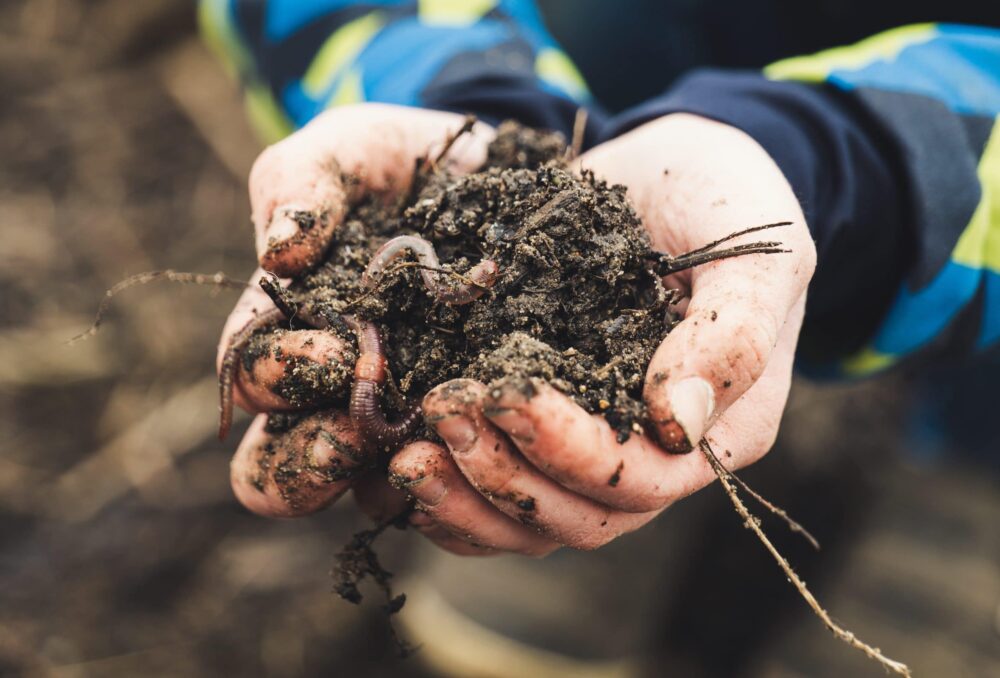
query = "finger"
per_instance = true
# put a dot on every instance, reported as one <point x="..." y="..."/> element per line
<point x="299" y="471"/>
<point x="580" y="451"/>
<point x="747" y="430"/>
<point x="379" y="500"/>
<point x="441" y="537"/>
<point x="718" y="181"/>
<point x="710" y="360"/>
<point x="428" y="473"/>
<point x="495" y="468"/>
<point x="290" y="370"/>
<point x="284" y="370"/>
<point x="297" y="187"/>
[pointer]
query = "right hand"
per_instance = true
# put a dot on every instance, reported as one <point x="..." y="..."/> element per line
<point x="309" y="466"/>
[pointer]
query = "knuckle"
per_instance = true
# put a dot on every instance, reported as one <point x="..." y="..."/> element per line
<point x="754" y="333"/>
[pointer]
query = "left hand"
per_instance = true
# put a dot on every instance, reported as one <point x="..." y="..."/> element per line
<point x="528" y="474"/>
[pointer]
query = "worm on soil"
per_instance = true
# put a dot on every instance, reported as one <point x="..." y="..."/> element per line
<point x="370" y="374"/>
<point x="481" y="277"/>
<point x="230" y="362"/>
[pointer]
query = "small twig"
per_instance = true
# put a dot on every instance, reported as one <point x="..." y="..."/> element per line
<point x="279" y="296"/>
<point x="737" y="234"/>
<point x="793" y="525"/>
<point x="752" y="522"/>
<point x="212" y="279"/>
<point x="467" y="125"/>
<point x="579" y="131"/>
<point x="667" y="264"/>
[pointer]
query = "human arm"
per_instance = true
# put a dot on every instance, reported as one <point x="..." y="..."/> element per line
<point x="894" y="163"/>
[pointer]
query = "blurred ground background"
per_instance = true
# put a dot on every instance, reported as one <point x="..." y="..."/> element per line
<point x="123" y="148"/>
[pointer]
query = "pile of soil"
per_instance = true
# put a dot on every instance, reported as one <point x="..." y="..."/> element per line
<point x="575" y="302"/>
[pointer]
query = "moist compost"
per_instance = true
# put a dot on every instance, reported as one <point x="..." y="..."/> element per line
<point x="576" y="299"/>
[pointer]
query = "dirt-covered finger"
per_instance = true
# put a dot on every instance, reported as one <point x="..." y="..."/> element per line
<point x="294" y="472"/>
<point x="709" y="361"/>
<point x="581" y="451"/>
<point x="428" y="473"/>
<point x="295" y="369"/>
<point x="509" y="481"/>
<point x="301" y="187"/>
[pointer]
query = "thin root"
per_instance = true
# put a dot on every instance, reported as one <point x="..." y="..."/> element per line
<point x="212" y="279"/>
<point x="751" y="522"/>
<point x="793" y="524"/>
<point x="428" y="164"/>
<point x="666" y="264"/>
<point x="579" y="131"/>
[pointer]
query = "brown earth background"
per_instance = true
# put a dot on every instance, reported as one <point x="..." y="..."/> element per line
<point x="123" y="148"/>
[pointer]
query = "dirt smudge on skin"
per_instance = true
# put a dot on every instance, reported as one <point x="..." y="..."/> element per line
<point x="575" y="301"/>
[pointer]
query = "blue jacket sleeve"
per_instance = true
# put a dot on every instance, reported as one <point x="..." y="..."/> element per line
<point x="493" y="58"/>
<point x="893" y="148"/>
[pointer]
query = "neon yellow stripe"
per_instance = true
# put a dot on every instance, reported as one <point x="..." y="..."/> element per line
<point x="884" y="46"/>
<point x="266" y="117"/>
<point x="867" y="361"/>
<point x="455" y="13"/>
<point x="555" y="68"/>
<point x="349" y="91"/>
<point x="222" y="37"/>
<point x="979" y="246"/>
<point x="339" y="50"/>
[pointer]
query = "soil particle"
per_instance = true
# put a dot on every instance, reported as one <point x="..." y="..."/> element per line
<point x="617" y="475"/>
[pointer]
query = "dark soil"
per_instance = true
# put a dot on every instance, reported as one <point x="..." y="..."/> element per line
<point x="576" y="301"/>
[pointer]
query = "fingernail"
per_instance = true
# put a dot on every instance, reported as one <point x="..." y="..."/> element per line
<point x="429" y="490"/>
<point x="458" y="431"/>
<point x="692" y="402"/>
<point x="284" y="225"/>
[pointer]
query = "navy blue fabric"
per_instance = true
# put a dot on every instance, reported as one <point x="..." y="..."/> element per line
<point x="840" y="165"/>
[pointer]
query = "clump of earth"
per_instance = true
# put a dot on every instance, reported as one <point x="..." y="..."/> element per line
<point x="576" y="298"/>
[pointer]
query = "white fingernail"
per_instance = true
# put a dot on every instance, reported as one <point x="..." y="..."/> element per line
<point x="286" y="223"/>
<point x="692" y="402"/>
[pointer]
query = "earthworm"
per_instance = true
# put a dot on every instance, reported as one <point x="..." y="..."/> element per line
<point x="230" y="360"/>
<point x="238" y="342"/>
<point x="481" y="276"/>
<point x="369" y="375"/>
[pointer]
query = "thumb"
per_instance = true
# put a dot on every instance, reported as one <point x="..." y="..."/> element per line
<point x="301" y="187"/>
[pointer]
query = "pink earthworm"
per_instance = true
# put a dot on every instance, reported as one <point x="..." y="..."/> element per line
<point x="370" y="372"/>
<point x="481" y="277"/>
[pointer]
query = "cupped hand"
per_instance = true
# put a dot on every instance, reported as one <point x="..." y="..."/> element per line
<point x="527" y="470"/>
<point x="300" y="190"/>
